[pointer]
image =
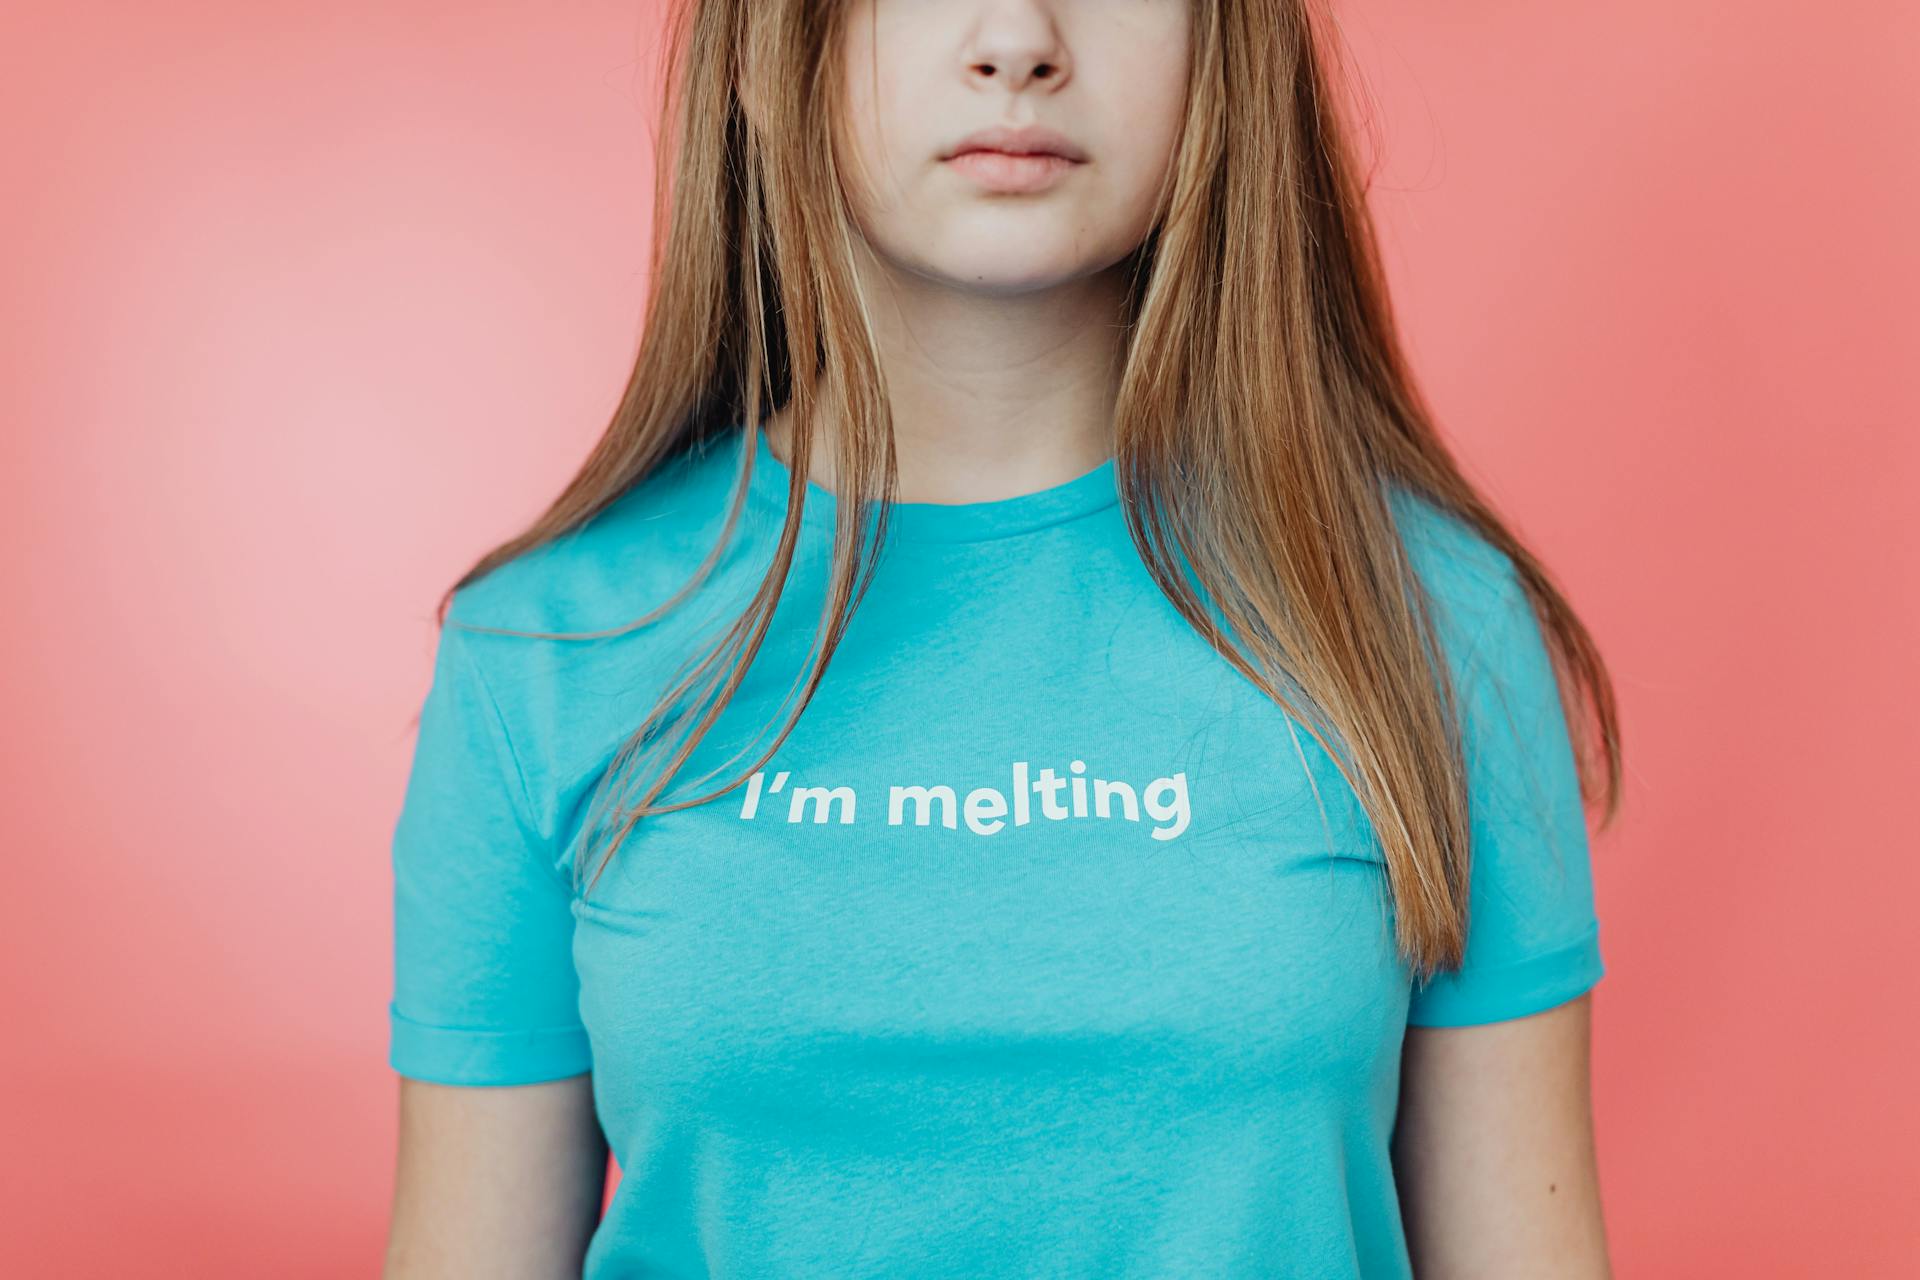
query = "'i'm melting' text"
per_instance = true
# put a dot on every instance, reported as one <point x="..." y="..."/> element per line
<point x="986" y="810"/>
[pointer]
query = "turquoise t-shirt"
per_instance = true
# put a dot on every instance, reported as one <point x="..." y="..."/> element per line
<point x="1029" y="953"/>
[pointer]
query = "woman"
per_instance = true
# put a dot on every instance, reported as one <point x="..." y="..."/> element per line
<point x="1019" y="753"/>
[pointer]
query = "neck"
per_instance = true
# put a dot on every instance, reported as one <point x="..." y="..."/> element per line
<point x="993" y="395"/>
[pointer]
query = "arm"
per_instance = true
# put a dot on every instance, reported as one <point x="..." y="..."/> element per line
<point x="504" y="1182"/>
<point x="501" y="1161"/>
<point x="1494" y="1149"/>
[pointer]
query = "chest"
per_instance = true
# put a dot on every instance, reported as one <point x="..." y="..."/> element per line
<point x="975" y="881"/>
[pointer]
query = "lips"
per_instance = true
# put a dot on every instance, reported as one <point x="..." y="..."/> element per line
<point x="1023" y="140"/>
<point x="1005" y="160"/>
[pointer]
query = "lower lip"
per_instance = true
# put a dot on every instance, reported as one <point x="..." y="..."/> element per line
<point x="1010" y="173"/>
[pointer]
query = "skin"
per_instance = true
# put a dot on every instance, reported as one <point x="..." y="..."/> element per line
<point x="996" y="316"/>
<point x="1494" y="1151"/>
<point x="495" y="1183"/>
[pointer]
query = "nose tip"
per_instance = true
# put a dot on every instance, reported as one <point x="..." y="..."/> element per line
<point x="1014" y="45"/>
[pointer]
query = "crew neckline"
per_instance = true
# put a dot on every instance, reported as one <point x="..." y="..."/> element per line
<point x="1090" y="491"/>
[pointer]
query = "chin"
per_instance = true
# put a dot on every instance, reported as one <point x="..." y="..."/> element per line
<point x="1004" y="268"/>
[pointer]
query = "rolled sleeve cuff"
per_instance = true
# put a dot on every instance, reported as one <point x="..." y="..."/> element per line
<point x="467" y="1055"/>
<point x="1472" y="996"/>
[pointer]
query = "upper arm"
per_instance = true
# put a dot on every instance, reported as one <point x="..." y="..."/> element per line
<point x="503" y="1182"/>
<point x="484" y="989"/>
<point x="502" y="1163"/>
<point x="1494" y="1142"/>
<point x="1493" y="1150"/>
<point x="1533" y="935"/>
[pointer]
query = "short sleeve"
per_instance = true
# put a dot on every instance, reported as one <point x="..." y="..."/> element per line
<point x="1533" y="939"/>
<point x="484" y="989"/>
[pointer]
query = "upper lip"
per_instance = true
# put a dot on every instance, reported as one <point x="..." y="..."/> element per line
<point x="1030" y="139"/>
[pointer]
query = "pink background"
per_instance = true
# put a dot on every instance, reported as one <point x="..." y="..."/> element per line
<point x="304" y="305"/>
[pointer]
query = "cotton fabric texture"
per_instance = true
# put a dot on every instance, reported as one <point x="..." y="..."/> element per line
<point x="1046" y="945"/>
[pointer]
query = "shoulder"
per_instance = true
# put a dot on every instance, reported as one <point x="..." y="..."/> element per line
<point x="629" y="558"/>
<point x="1472" y="584"/>
<point x="563" y="702"/>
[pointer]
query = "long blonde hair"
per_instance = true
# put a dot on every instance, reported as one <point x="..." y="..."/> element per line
<point x="1263" y="402"/>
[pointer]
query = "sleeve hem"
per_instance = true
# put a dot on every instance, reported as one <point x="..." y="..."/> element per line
<point x="1473" y="996"/>
<point x="477" y="1056"/>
